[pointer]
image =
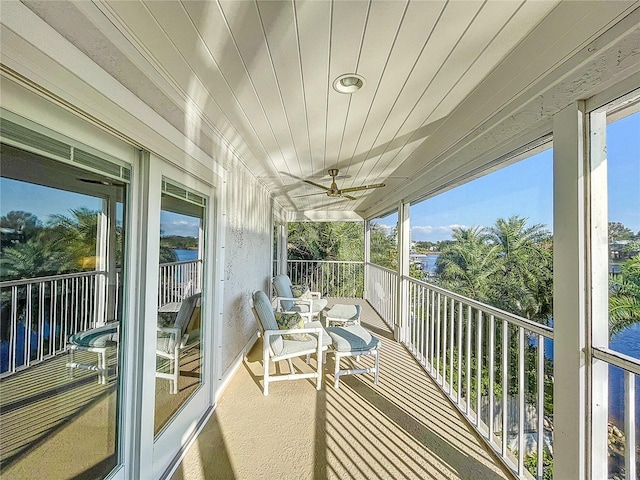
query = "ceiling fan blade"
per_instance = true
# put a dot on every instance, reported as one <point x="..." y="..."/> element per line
<point x="362" y="187"/>
<point x="349" y="197"/>
<point x="309" y="195"/>
<point x="316" y="184"/>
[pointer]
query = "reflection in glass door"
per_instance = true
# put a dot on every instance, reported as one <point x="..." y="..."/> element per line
<point x="61" y="283"/>
<point x="178" y="349"/>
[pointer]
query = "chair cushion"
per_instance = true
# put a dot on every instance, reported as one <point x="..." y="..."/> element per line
<point x="96" y="337"/>
<point x="352" y="338"/>
<point x="264" y="313"/>
<point x="326" y="339"/>
<point x="301" y="291"/>
<point x="318" y="305"/>
<point x="166" y="342"/>
<point x="288" y="321"/>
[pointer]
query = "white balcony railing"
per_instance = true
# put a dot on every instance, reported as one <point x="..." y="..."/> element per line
<point x="40" y="314"/>
<point x="631" y="368"/>
<point x="382" y="288"/>
<point x="331" y="278"/>
<point x="177" y="280"/>
<point x="492" y="365"/>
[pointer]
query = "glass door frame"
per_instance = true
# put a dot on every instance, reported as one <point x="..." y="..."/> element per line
<point x="161" y="450"/>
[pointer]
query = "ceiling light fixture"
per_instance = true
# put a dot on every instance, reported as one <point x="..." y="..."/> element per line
<point x="348" y="83"/>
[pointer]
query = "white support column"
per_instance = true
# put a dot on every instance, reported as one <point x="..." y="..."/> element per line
<point x="102" y="263"/>
<point x="367" y="257"/>
<point x="569" y="292"/>
<point x="598" y="274"/>
<point x="283" y="238"/>
<point x="402" y="305"/>
<point x="112" y="275"/>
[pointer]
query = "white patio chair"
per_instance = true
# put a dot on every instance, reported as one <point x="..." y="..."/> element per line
<point x="172" y="340"/>
<point x="97" y="340"/>
<point x="309" y="306"/>
<point x="276" y="348"/>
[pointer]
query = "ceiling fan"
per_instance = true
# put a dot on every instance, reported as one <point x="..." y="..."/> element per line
<point x="334" y="191"/>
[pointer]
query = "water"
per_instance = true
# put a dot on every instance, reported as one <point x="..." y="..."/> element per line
<point x="185" y="255"/>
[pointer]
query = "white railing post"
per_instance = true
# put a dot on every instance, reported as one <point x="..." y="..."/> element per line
<point x="599" y="288"/>
<point x="402" y="307"/>
<point x="569" y="293"/>
<point x="366" y="294"/>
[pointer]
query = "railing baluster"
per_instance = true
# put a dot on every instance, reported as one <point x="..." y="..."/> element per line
<point x="468" y="379"/>
<point x="422" y="325"/>
<point x="505" y="384"/>
<point x="41" y="303"/>
<point x="459" y="383"/>
<point x="443" y="339"/>
<point x="540" y="445"/>
<point x="479" y="368"/>
<point x="491" y="353"/>
<point x="53" y="319"/>
<point x="27" y="327"/>
<point x="432" y="332"/>
<point x="13" y="339"/>
<point x="521" y="406"/>
<point x="438" y="331"/>
<point x="630" y="425"/>
<point x="451" y="336"/>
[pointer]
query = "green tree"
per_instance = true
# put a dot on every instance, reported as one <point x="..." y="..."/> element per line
<point x="341" y="241"/>
<point x="76" y="236"/>
<point x="617" y="231"/>
<point x="524" y="285"/>
<point x="383" y="246"/>
<point x="469" y="265"/>
<point x="33" y="258"/>
<point x="24" y="223"/>
<point x="624" y="296"/>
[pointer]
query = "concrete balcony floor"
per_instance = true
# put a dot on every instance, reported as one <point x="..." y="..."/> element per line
<point x="402" y="428"/>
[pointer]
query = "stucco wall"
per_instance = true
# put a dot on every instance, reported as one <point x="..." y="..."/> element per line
<point x="247" y="258"/>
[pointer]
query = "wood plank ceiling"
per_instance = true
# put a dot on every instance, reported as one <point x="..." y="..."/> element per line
<point x="259" y="74"/>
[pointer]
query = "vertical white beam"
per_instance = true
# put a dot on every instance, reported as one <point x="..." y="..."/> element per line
<point x="283" y="239"/>
<point x="569" y="292"/>
<point x="402" y="310"/>
<point x="598" y="275"/>
<point x="101" y="263"/>
<point x="112" y="276"/>
<point x="367" y="257"/>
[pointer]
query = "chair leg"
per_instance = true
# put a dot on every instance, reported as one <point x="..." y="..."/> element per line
<point x="176" y="370"/>
<point x="377" y="366"/>
<point x="102" y="365"/>
<point x="336" y="382"/>
<point x="265" y="378"/>
<point x="291" y="364"/>
<point x="71" y="368"/>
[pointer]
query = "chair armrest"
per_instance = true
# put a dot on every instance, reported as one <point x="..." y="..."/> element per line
<point x="270" y="333"/>
<point x="296" y="301"/>
<point x="171" y="330"/>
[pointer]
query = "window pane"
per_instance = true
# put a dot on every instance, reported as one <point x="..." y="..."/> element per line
<point x="384" y="241"/>
<point x="623" y="178"/>
<point x="60" y="282"/>
<point x="178" y="350"/>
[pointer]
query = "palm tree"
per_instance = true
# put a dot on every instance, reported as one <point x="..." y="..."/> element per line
<point x="624" y="297"/>
<point x="75" y="235"/>
<point x="525" y="284"/>
<point x="468" y="265"/>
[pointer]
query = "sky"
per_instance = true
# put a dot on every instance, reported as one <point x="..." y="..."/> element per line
<point x="45" y="201"/>
<point x="523" y="189"/>
<point x="526" y="189"/>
